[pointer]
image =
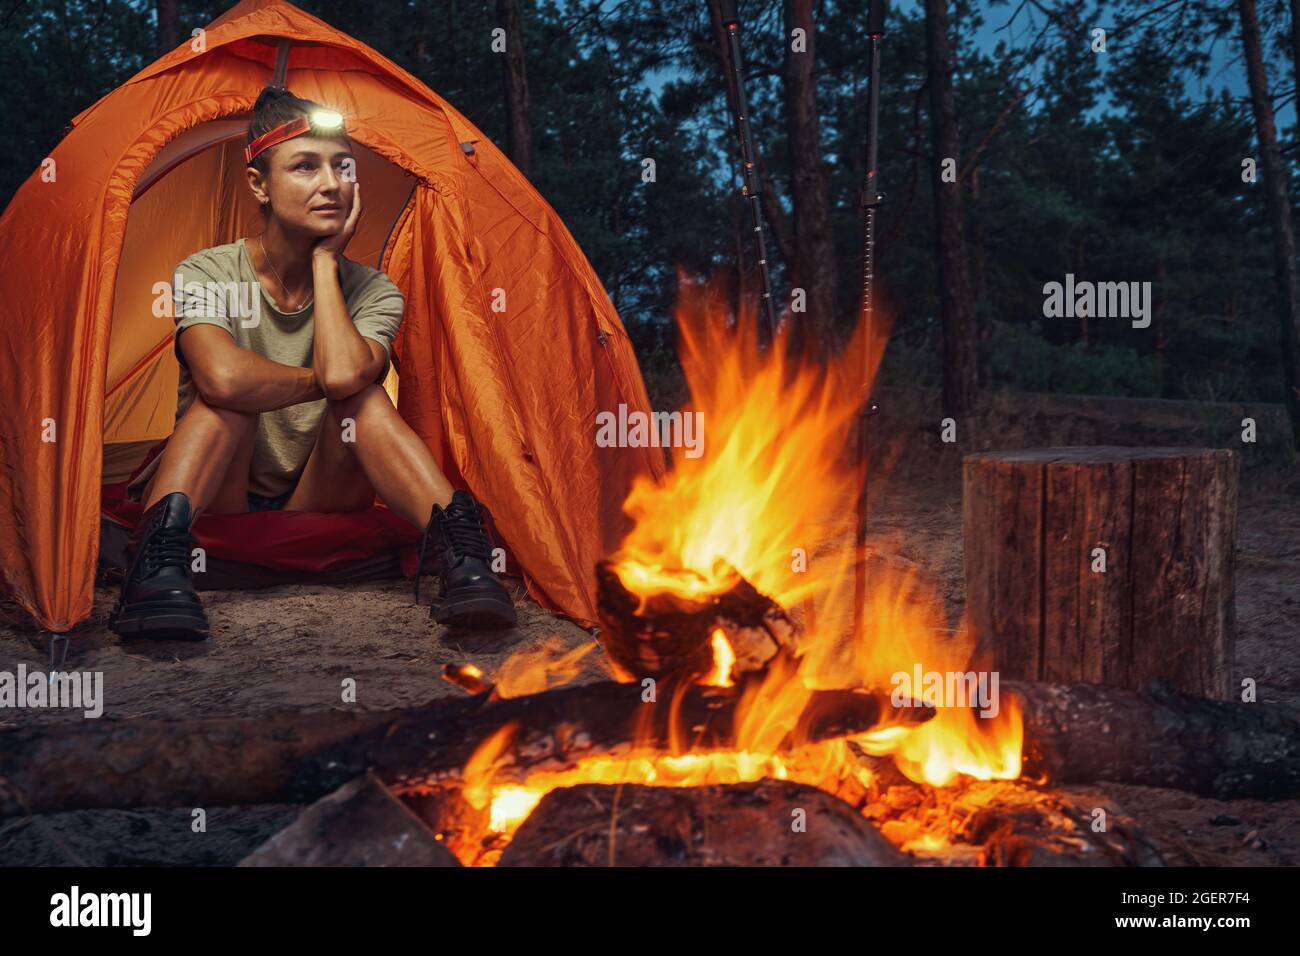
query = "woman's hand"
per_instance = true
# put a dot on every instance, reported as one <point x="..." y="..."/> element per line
<point x="332" y="246"/>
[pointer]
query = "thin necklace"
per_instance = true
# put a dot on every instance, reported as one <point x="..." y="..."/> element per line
<point x="287" y="297"/>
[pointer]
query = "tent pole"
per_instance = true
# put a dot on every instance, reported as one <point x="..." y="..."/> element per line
<point x="870" y="200"/>
<point x="749" y="159"/>
<point x="281" y="65"/>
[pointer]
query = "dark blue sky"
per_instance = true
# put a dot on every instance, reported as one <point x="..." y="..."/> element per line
<point x="1226" y="71"/>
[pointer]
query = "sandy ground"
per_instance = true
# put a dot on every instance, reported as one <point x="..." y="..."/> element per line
<point x="294" y="646"/>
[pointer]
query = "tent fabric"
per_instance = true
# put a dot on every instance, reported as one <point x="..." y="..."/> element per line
<point x="150" y="173"/>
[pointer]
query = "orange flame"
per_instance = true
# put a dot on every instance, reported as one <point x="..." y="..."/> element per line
<point x="534" y="670"/>
<point x="724" y="659"/>
<point x="769" y="499"/>
<point x="770" y="473"/>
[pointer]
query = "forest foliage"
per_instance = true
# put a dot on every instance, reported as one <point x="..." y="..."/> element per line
<point x="1114" y="166"/>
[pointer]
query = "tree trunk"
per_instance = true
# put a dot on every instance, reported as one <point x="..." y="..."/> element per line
<point x="1162" y="337"/>
<point x="1104" y="565"/>
<point x="984" y="329"/>
<point x="453" y="49"/>
<point x="1295" y="40"/>
<point x="519" y="140"/>
<point x="169" y="25"/>
<point x="1278" y="203"/>
<point x="960" y="354"/>
<point x="774" y="216"/>
<point x="738" y="232"/>
<point x="1078" y="277"/>
<point x="814" y="264"/>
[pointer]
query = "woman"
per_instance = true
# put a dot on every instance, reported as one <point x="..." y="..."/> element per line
<point x="283" y="343"/>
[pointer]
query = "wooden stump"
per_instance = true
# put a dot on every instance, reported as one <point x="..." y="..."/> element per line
<point x="1165" y="522"/>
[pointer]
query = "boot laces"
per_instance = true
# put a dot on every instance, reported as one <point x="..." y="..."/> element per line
<point x="462" y="533"/>
<point x="166" y="547"/>
<point x="462" y="529"/>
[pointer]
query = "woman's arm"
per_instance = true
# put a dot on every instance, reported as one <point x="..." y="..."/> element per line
<point x="228" y="376"/>
<point x="343" y="360"/>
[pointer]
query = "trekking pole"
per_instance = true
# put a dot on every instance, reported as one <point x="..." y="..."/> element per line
<point x="870" y="200"/>
<point x="749" y="161"/>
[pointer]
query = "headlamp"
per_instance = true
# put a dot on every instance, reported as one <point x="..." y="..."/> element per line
<point x="326" y="119"/>
<point x="322" y="121"/>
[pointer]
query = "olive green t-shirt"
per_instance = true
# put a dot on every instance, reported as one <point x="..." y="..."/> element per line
<point x="218" y="286"/>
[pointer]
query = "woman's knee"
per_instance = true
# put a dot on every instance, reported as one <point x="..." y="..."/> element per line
<point x="227" y="420"/>
<point x="371" y="399"/>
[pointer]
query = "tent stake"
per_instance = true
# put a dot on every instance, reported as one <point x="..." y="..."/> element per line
<point x="57" y="640"/>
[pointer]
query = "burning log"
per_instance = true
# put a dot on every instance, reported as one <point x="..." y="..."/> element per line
<point x="1055" y="832"/>
<point x="1104" y="565"/>
<point x="295" y="757"/>
<point x="1073" y="734"/>
<point x="560" y="726"/>
<point x="770" y="823"/>
<point x="671" y="635"/>
<point x="1081" y="733"/>
<point x="997" y="823"/>
<point x="468" y="677"/>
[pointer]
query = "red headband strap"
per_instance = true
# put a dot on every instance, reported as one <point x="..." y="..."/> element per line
<point x="275" y="137"/>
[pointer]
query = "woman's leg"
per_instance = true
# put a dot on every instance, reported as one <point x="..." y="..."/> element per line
<point x="333" y="479"/>
<point x="206" y="460"/>
<point x="207" y="457"/>
<point x="383" y="456"/>
<point x="380" y="453"/>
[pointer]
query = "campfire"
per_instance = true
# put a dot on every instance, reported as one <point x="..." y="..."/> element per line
<point x="734" y="586"/>
<point x="751" y="713"/>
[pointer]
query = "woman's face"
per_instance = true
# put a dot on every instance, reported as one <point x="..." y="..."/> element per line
<point x="309" y="181"/>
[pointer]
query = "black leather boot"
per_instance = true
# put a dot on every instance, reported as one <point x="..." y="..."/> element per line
<point x="472" y="596"/>
<point x="158" y="597"/>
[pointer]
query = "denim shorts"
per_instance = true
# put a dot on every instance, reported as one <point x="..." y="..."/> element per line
<point x="260" y="503"/>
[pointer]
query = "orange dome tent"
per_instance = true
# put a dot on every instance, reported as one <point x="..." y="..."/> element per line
<point x="154" y="171"/>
